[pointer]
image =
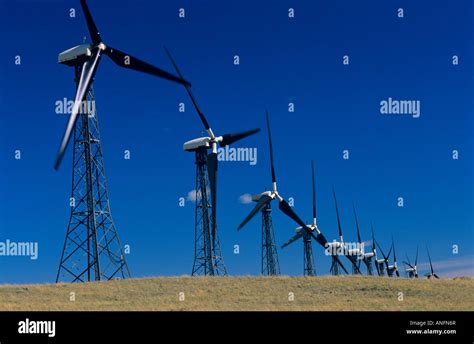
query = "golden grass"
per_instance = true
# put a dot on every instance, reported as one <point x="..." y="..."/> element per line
<point x="326" y="293"/>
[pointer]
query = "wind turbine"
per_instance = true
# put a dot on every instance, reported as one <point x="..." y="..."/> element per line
<point x="383" y="263"/>
<point x="205" y="257"/>
<point x="264" y="200"/>
<point x="336" y="247"/>
<point x="92" y="249"/>
<point x="360" y="254"/>
<point x="302" y="232"/>
<point x="411" y="269"/>
<point x="431" y="273"/>
<point x="88" y="57"/>
<point x="394" y="267"/>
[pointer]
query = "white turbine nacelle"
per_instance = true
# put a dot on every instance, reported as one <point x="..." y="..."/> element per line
<point x="369" y="254"/>
<point x="201" y="142"/>
<point x="312" y="227"/>
<point x="380" y="261"/>
<point x="76" y="55"/>
<point x="257" y="197"/>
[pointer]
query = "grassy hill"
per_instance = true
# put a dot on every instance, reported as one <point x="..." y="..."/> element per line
<point x="246" y="293"/>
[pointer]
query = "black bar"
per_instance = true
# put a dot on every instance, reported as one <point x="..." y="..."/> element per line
<point x="322" y="327"/>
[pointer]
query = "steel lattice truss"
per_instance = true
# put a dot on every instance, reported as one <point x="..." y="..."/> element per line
<point x="92" y="249"/>
<point x="208" y="259"/>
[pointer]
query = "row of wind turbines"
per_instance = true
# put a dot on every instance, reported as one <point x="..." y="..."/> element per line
<point x="92" y="249"/>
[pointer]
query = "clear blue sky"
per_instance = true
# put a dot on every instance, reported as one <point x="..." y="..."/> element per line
<point x="282" y="61"/>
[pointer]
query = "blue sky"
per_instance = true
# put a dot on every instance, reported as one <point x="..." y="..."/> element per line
<point x="282" y="60"/>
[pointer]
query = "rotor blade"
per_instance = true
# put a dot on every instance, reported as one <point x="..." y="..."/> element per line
<point x="394" y="254"/>
<point x="429" y="257"/>
<point x="320" y="239"/>
<point x="416" y="259"/>
<point x="211" y="163"/>
<point x="381" y="251"/>
<point x="93" y="31"/>
<point x="87" y="74"/>
<point x="314" y="190"/>
<point x="377" y="267"/>
<point x="264" y="199"/>
<point x="271" y="148"/>
<point x="337" y="213"/>
<point x="340" y="264"/>
<point x="408" y="259"/>
<point x="373" y="237"/>
<point x="436" y="276"/>
<point x="357" y="223"/>
<point x="353" y="260"/>
<point x="127" y="61"/>
<point x="228" y="139"/>
<point x="407" y="263"/>
<point x="397" y="273"/>
<point x="297" y="236"/>
<point x="188" y="89"/>
<point x="390" y="251"/>
<point x="288" y="211"/>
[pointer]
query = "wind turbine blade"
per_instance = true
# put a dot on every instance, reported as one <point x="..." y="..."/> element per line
<point x="261" y="203"/>
<point x="340" y="264"/>
<point x="337" y="213"/>
<point x="228" y="139"/>
<point x="373" y="238"/>
<point x="93" y="31"/>
<point x="436" y="276"/>
<point x="288" y="211"/>
<point x="357" y="223"/>
<point x="377" y="267"/>
<point x="429" y="257"/>
<point x="128" y="61"/>
<point x="407" y="263"/>
<point x="271" y="147"/>
<point x="297" y="236"/>
<point x="390" y="251"/>
<point x="320" y="239"/>
<point x="397" y="273"/>
<point x="87" y="75"/>
<point x="416" y="259"/>
<point x="188" y="89"/>
<point x="381" y="251"/>
<point x="212" y="164"/>
<point x="394" y="254"/>
<point x="314" y="190"/>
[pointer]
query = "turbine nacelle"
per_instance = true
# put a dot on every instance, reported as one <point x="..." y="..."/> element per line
<point x="369" y="254"/>
<point x="75" y="56"/>
<point x="312" y="227"/>
<point x="195" y="144"/>
<point x="257" y="197"/>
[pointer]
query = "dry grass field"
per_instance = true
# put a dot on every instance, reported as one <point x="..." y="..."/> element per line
<point x="326" y="293"/>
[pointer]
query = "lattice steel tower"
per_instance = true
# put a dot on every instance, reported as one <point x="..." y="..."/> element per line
<point x="270" y="264"/>
<point x="208" y="259"/>
<point x="92" y="250"/>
